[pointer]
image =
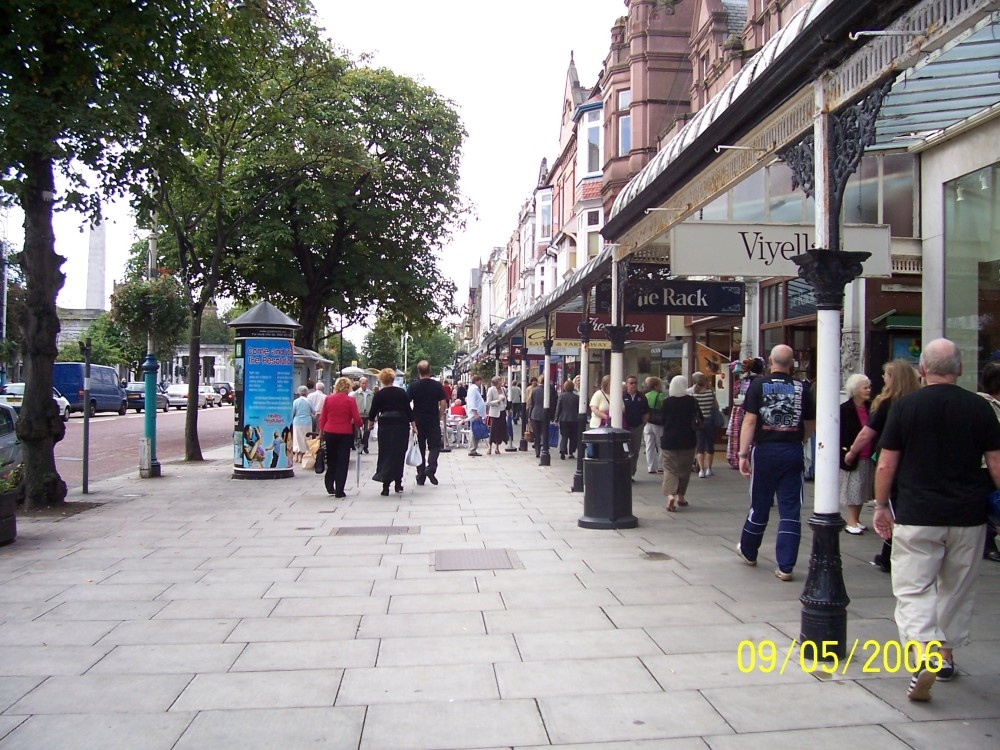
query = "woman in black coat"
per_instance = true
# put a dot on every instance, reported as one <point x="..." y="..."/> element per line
<point x="567" y="416"/>
<point x="681" y="421"/>
<point x="391" y="409"/>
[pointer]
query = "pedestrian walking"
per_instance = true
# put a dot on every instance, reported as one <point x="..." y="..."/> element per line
<point x="681" y="421"/>
<point x="338" y="419"/>
<point x="653" y="431"/>
<point x="567" y="417"/>
<point x="302" y="419"/>
<point x="476" y="407"/>
<point x="780" y="416"/>
<point x="934" y="444"/>
<point x="363" y="396"/>
<point x="856" y="480"/>
<point x="429" y="403"/>
<point x="316" y="398"/>
<point x="898" y="379"/>
<point x="703" y="391"/>
<point x="496" y="410"/>
<point x="636" y="414"/>
<point x="392" y="413"/>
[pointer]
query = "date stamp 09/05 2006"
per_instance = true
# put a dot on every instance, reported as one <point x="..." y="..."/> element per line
<point x="876" y="657"/>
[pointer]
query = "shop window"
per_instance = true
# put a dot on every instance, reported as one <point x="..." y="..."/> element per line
<point x="898" y="180"/>
<point x="748" y="198"/>
<point x="972" y="268"/>
<point x="784" y="203"/>
<point x="801" y="299"/>
<point x="861" y="195"/>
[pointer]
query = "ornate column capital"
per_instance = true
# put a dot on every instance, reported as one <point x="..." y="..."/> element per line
<point x="829" y="271"/>
<point x="584" y="328"/>
<point x="617" y="336"/>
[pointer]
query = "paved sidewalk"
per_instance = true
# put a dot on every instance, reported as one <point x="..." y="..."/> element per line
<point x="199" y="611"/>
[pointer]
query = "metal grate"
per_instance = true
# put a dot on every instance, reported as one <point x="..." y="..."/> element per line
<point x="475" y="559"/>
<point x="375" y="530"/>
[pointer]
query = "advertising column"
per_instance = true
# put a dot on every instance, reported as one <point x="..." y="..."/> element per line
<point x="263" y="360"/>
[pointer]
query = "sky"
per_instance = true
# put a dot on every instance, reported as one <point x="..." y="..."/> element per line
<point x="502" y="64"/>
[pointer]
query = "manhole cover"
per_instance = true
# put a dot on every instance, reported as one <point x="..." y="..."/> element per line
<point x="474" y="559"/>
<point x="375" y="530"/>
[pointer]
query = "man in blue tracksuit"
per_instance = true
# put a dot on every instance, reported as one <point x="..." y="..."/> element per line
<point x="780" y="415"/>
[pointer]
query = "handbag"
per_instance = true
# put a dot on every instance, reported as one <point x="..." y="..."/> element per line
<point x="413" y="457"/>
<point x="718" y="420"/>
<point x="656" y="413"/>
<point x="479" y="430"/>
<point x="320" y="466"/>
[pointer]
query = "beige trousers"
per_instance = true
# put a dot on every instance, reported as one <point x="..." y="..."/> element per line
<point x="934" y="571"/>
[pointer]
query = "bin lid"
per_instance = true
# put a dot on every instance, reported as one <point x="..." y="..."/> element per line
<point x="603" y="433"/>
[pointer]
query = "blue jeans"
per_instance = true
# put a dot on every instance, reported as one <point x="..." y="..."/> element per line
<point x="776" y="476"/>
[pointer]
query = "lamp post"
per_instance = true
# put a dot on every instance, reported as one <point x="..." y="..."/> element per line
<point x="149" y="466"/>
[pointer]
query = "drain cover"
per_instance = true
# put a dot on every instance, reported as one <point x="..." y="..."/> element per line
<point x="474" y="559"/>
<point x="375" y="530"/>
<point x="657" y="556"/>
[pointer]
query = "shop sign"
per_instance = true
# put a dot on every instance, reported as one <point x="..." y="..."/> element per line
<point x="707" y="248"/>
<point x="677" y="297"/>
<point x="644" y="327"/>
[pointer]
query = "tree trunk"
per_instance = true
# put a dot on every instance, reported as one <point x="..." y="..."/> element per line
<point x="192" y="446"/>
<point x="40" y="426"/>
<point x="312" y="311"/>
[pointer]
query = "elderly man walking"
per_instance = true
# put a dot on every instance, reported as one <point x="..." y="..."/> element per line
<point x="364" y="397"/>
<point x="316" y="398"/>
<point x="933" y="445"/>
<point x="780" y="416"/>
<point x="476" y="408"/>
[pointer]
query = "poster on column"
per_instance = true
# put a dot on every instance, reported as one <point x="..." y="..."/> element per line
<point x="265" y="442"/>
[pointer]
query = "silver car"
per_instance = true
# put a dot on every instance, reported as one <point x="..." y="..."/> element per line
<point x="10" y="445"/>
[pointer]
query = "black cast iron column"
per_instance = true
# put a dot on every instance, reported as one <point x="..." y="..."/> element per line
<point x="583" y="413"/>
<point x="523" y="445"/>
<point x="821" y="163"/>
<point x="544" y="459"/>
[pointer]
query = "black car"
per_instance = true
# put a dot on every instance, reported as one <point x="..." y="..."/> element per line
<point x="225" y="390"/>
<point x="135" y="394"/>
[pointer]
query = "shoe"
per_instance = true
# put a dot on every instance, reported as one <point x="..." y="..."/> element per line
<point x="652" y="472"/>
<point x="340" y="494"/>
<point x="385" y="490"/>
<point x="782" y="575"/>
<point x="683" y="503"/>
<point x="854" y="530"/>
<point x="475" y="453"/>
<point x="366" y="450"/>
<point x="882" y="565"/>
<point x="744" y="558"/>
<point x="670" y="504"/>
<point x="921" y="684"/>
<point x="432" y="479"/>
<point x="701" y="474"/>
<point x="993" y="555"/>
<point x="398" y="487"/>
<point x="709" y="473"/>
<point x="571" y="456"/>
<point x="862" y="527"/>
<point x="947" y="672"/>
<point x="562" y="456"/>
<point x="420" y="483"/>
<point x="659" y="471"/>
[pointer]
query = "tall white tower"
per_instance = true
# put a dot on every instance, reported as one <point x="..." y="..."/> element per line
<point x="95" y="268"/>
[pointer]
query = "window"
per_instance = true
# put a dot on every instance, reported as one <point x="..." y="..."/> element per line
<point x="624" y="122"/>
<point x="545" y="215"/>
<point x="593" y="218"/>
<point x="591" y="143"/>
<point x="593" y="244"/>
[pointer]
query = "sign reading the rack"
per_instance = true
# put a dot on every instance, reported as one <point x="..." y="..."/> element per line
<point x="761" y="250"/>
<point x="677" y="297"/>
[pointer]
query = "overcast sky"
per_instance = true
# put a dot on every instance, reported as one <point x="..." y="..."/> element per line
<point x="503" y="65"/>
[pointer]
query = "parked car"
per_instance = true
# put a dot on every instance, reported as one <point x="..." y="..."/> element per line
<point x="10" y="446"/>
<point x="225" y="390"/>
<point x="105" y="392"/>
<point x="177" y="395"/>
<point x="13" y="394"/>
<point x="135" y="393"/>
<point x="208" y="396"/>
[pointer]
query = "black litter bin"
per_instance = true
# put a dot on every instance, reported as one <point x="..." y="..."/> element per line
<point x="607" y="480"/>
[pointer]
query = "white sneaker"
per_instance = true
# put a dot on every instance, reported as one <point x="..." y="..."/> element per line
<point x="709" y="473"/>
<point x="701" y="474"/>
<point x="854" y="530"/>
<point x="739" y="552"/>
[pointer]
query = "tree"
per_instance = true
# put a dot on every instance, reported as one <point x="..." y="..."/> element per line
<point x="437" y="346"/>
<point x="80" y="83"/>
<point x="381" y="346"/>
<point x="361" y="234"/>
<point x="149" y="307"/>
<point x="244" y="82"/>
<point x="106" y="344"/>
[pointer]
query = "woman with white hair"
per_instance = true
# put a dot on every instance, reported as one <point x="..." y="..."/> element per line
<point x="302" y="419"/>
<point x="681" y="421"/>
<point x="855" y="478"/>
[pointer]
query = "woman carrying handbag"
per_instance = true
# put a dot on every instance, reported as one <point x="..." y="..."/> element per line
<point x="496" y="409"/>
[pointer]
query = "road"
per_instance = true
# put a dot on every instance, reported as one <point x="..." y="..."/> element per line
<point x="114" y="441"/>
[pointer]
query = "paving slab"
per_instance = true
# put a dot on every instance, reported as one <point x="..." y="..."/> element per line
<point x="168" y="659"/>
<point x="257" y="729"/>
<point x="89" y="731"/>
<point x="449" y="682"/>
<point x="596" y="676"/>
<point x="291" y="689"/>
<point x="452" y="726"/>
<point x="101" y="694"/>
<point x="316" y="654"/>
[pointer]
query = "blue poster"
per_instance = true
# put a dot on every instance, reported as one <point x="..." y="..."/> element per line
<point x="265" y="441"/>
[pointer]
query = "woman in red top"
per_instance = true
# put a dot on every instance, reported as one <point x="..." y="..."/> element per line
<point x="337" y="420"/>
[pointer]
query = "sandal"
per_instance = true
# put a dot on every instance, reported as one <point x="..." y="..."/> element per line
<point x="682" y="503"/>
<point x="670" y="504"/>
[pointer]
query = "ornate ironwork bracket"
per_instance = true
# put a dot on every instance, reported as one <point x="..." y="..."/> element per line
<point x="852" y="130"/>
<point x="829" y="271"/>
<point x="584" y="328"/>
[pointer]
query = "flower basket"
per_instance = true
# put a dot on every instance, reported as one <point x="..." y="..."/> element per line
<point x="10" y="486"/>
